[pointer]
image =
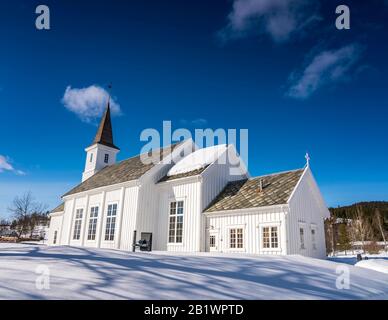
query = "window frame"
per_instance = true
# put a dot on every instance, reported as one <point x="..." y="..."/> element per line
<point x="236" y="227"/>
<point x="78" y="222"/>
<point x="270" y="225"/>
<point x="176" y="215"/>
<point x="109" y="236"/>
<point x="212" y="244"/>
<point x="106" y="158"/>
<point x="93" y="220"/>
<point x="313" y="236"/>
<point x="302" y="237"/>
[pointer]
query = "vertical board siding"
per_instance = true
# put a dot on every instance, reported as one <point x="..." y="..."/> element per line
<point x="189" y="193"/>
<point x="306" y="211"/>
<point x="66" y="222"/>
<point x="251" y="223"/>
<point x="55" y="225"/>
<point x="129" y="217"/>
<point x="111" y="197"/>
<point x="95" y="200"/>
<point x="214" y="180"/>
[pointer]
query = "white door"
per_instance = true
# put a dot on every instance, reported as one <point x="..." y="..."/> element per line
<point x="214" y="241"/>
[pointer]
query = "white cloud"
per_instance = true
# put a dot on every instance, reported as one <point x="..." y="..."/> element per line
<point x="5" y="165"/>
<point x="280" y="19"/>
<point x="88" y="103"/>
<point x="326" y="67"/>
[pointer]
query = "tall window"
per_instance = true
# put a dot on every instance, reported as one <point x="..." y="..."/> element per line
<point x="301" y="235"/>
<point x="106" y="158"/>
<point x="270" y="237"/>
<point x="236" y="238"/>
<point x="212" y="241"/>
<point x="313" y="239"/>
<point x="111" y="222"/>
<point x="55" y="237"/>
<point x="175" y="233"/>
<point x="91" y="157"/>
<point x="92" y="223"/>
<point x="77" y="224"/>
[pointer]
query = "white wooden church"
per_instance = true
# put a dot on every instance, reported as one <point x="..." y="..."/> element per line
<point x="181" y="204"/>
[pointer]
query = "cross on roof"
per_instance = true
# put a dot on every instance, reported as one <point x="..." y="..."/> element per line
<point x="307" y="157"/>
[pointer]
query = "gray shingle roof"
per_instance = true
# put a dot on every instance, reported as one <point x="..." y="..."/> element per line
<point x="183" y="175"/>
<point x="126" y="170"/>
<point x="60" y="208"/>
<point x="244" y="194"/>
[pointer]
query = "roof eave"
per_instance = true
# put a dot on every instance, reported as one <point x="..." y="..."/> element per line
<point x="246" y="210"/>
<point x="134" y="182"/>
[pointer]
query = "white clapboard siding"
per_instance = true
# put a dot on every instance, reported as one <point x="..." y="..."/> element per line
<point x="95" y="200"/>
<point x="189" y="193"/>
<point x="307" y="211"/>
<point x="111" y="197"/>
<point x="67" y="222"/>
<point x="251" y="222"/>
<point x="128" y="222"/>
<point x="55" y="226"/>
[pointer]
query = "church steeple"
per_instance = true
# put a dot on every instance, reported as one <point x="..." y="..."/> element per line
<point x="102" y="152"/>
<point x="104" y="133"/>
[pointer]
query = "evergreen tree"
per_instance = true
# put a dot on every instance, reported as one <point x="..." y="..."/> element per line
<point x="343" y="238"/>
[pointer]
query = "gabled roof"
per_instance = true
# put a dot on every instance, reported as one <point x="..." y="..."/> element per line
<point x="244" y="194"/>
<point x="60" y="208"/>
<point x="126" y="170"/>
<point x="104" y="134"/>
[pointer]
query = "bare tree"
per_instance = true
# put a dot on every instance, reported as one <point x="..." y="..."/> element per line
<point x="23" y="209"/>
<point x="378" y="222"/>
<point x="330" y="223"/>
<point x="363" y="226"/>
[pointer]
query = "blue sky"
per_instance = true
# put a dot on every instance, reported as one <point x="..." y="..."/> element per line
<point x="277" y="68"/>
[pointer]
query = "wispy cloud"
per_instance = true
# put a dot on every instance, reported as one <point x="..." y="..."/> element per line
<point x="280" y="19"/>
<point x="88" y="103"/>
<point x="324" y="68"/>
<point x="5" y="165"/>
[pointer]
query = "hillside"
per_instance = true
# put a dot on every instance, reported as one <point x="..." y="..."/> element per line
<point x="368" y="208"/>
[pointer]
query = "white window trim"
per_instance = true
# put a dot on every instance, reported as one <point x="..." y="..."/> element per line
<point x="236" y="226"/>
<point x="302" y="225"/>
<point x="314" y="227"/>
<point x="105" y="220"/>
<point x="270" y="224"/>
<point x="177" y="199"/>
<point x="88" y="220"/>
<point x="81" y="227"/>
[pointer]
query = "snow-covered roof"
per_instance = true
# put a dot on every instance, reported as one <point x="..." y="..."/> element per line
<point x="198" y="159"/>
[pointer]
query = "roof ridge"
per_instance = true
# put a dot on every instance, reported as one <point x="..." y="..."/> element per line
<point x="276" y="173"/>
<point x="138" y="155"/>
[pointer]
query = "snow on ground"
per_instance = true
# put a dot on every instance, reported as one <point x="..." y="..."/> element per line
<point x="86" y="273"/>
<point x="380" y="265"/>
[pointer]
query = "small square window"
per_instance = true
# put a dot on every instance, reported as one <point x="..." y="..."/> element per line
<point x="106" y="158"/>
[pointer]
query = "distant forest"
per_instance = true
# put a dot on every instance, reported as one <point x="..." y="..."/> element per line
<point x="363" y="221"/>
<point x="367" y="208"/>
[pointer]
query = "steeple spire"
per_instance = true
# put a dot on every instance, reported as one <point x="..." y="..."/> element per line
<point x="104" y="134"/>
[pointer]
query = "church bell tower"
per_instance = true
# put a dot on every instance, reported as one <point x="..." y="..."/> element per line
<point x="102" y="152"/>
